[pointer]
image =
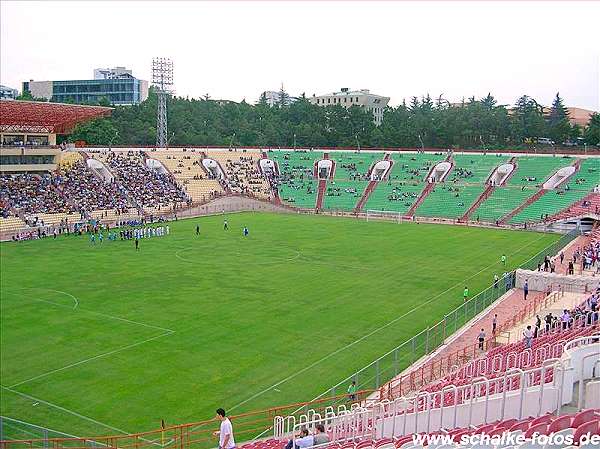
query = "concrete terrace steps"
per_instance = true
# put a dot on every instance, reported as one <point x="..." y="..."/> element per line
<point x="424" y="194"/>
<point x="539" y="194"/>
<point x="365" y="196"/>
<point x="480" y="199"/>
<point x="536" y="196"/>
<point x="320" y="194"/>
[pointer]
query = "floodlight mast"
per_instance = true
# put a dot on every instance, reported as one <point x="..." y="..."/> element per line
<point x="162" y="79"/>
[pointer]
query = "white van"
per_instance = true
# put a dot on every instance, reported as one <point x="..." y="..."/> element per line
<point x="545" y="141"/>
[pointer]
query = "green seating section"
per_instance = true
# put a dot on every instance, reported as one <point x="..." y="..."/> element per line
<point x="298" y="187"/>
<point x="449" y="200"/>
<point x="343" y="195"/>
<point x="474" y="168"/>
<point x="582" y="183"/>
<point x="533" y="171"/>
<point x="353" y="166"/>
<point x="502" y="201"/>
<point x="394" y="196"/>
<point x="413" y="167"/>
<point x="350" y="179"/>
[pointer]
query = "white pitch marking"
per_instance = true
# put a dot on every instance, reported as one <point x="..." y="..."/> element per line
<point x="349" y="345"/>
<point x="89" y="359"/>
<point x="151" y="326"/>
<point x="58" y="407"/>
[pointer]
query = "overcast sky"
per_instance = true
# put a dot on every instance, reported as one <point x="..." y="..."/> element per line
<point x="235" y="50"/>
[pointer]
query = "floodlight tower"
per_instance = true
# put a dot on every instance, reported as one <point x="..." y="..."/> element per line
<point x="162" y="79"/>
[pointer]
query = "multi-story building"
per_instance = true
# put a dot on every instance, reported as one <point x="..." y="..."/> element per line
<point x="347" y="98"/>
<point x="8" y="93"/>
<point x="117" y="85"/>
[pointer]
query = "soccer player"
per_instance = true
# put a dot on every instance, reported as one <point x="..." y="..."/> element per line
<point x="245" y="231"/>
<point x="92" y="239"/>
<point x="465" y="294"/>
<point x="168" y="230"/>
<point x="225" y="225"/>
<point x="503" y="259"/>
<point x="100" y="237"/>
<point x="137" y="243"/>
<point x="197" y="229"/>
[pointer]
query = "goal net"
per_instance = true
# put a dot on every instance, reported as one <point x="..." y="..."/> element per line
<point x="385" y="215"/>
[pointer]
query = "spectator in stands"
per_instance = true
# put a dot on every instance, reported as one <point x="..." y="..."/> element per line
<point x="320" y="436"/>
<point x="481" y="339"/>
<point x="301" y="440"/>
<point x="225" y="433"/>
<point x="525" y="289"/>
<point x="528" y="337"/>
<point x="538" y="326"/>
<point x="494" y="323"/>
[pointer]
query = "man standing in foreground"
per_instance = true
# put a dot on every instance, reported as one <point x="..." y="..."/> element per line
<point x="226" y="440"/>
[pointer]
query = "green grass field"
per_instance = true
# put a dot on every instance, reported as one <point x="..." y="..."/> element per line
<point x="101" y="338"/>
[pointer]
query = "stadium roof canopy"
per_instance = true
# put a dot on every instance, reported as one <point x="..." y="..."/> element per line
<point x="41" y="117"/>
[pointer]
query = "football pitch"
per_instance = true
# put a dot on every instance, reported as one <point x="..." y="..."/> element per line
<point x="101" y="339"/>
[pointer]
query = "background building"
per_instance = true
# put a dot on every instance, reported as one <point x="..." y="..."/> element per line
<point x="273" y="97"/>
<point x="114" y="73"/>
<point x="347" y="98"/>
<point x="8" y="93"/>
<point x="117" y="85"/>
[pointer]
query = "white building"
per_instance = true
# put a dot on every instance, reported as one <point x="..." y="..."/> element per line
<point x="8" y="93"/>
<point x="347" y="98"/>
<point x="273" y="98"/>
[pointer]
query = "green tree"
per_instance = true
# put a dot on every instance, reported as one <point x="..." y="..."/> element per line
<point x="558" y="121"/>
<point x="592" y="131"/>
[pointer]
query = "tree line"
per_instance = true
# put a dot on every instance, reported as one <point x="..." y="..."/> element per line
<point x="423" y="122"/>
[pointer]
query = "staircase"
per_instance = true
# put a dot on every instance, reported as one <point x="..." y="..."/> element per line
<point x="365" y="196"/>
<point x="272" y="181"/>
<point x="320" y="194"/>
<point x="527" y="202"/>
<point x="424" y="194"/>
<point x="482" y="197"/>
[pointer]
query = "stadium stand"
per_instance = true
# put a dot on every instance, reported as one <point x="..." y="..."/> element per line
<point x="186" y="169"/>
<point x="474" y="168"/>
<point x="406" y="182"/>
<point x="580" y="185"/>
<point x="144" y="186"/>
<point x="531" y="173"/>
<point x="350" y="179"/>
<point x="351" y="166"/>
<point x="11" y="224"/>
<point x="500" y="202"/>
<point x="343" y="194"/>
<point x="242" y="171"/>
<point x="296" y="183"/>
<point x="449" y="200"/>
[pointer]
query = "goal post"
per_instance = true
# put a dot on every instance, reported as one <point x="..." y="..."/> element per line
<point x="388" y="215"/>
